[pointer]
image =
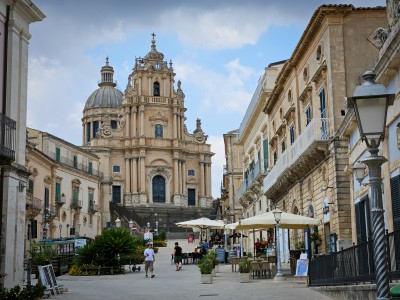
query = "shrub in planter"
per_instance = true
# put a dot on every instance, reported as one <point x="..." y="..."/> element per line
<point x="205" y="265"/>
<point x="245" y="266"/>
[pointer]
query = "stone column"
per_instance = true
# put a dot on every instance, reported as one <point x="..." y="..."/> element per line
<point x="134" y="121"/>
<point x="176" y="176"/>
<point x="127" y="121"/>
<point x="142" y="175"/>
<point x="175" y="125"/>
<point x="184" y="176"/>
<point x="134" y="175"/>
<point x="141" y="120"/>
<point x="127" y="176"/>
<point x="91" y="128"/>
<point x="201" y="181"/>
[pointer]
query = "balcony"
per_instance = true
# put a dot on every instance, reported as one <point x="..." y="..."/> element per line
<point x="310" y="148"/>
<point x="49" y="213"/>
<point x="7" y="139"/>
<point x="94" y="208"/>
<point x="74" y="164"/>
<point x="76" y="204"/>
<point x="60" y="200"/>
<point x="33" y="207"/>
<point x="253" y="182"/>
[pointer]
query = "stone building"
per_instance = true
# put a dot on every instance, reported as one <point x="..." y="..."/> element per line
<point x="154" y="169"/>
<point x="307" y="157"/>
<point x="252" y="139"/>
<point x="15" y="18"/>
<point x="63" y="191"/>
<point x="305" y="110"/>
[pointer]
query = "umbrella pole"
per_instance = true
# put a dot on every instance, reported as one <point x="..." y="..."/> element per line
<point x="254" y="244"/>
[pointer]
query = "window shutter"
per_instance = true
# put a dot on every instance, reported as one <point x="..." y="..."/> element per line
<point x="58" y="191"/>
<point x="395" y="193"/>
<point x="266" y="159"/>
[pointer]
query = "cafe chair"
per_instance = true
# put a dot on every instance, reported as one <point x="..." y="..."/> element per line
<point x="256" y="268"/>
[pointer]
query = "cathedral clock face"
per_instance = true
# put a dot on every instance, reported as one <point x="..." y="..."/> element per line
<point x="157" y="66"/>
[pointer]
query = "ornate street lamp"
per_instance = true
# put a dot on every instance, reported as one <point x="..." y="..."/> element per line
<point x="156" y="227"/>
<point x="370" y="101"/>
<point x="118" y="223"/>
<point x="359" y="171"/>
<point x="148" y="225"/>
<point x="279" y="276"/>
<point x="130" y="224"/>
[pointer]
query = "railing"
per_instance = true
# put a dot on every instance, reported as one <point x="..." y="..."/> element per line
<point x="76" y="204"/>
<point x="250" y="179"/>
<point x="74" y="164"/>
<point x="317" y="130"/>
<point x="93" y="208"/>
<point x="7" y="139"/>
<point x="60" y="200"/>
<point x="355" y="264"/>
<point x="158" y="100"/>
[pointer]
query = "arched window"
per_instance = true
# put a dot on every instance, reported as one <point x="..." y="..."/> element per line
<point x="158" y="185"/>
<point x="158" y="131"/>
<point x="156" y="89"/>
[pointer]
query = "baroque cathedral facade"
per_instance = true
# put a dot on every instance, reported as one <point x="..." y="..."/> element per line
<point x="154" y="170"/>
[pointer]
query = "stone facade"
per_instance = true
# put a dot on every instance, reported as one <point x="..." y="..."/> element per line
<point x="150" y="160"/>
<point x="15" y="18"/>
<point x="304" y="109"/>
<point x="64" y="183"/>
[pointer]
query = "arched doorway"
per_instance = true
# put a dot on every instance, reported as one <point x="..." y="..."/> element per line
<point x="158" y="185"/>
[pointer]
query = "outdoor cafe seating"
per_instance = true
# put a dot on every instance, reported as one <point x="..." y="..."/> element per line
<point x="261" y="268"/>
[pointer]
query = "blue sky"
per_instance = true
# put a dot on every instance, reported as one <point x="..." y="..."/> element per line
<point x="219" y="49"/>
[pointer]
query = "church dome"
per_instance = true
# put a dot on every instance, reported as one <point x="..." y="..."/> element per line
<point x="107" y="95"/>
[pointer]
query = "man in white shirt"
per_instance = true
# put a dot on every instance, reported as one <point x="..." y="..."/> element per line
<point x="149" y="259"/>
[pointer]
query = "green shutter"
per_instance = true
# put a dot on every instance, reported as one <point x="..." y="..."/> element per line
<point x="58" y="154"/>
<point x="75" y="191"/>
<point x="58" y="191"/>
<point x="266" y="159"/>
<point x="90" y="199"/>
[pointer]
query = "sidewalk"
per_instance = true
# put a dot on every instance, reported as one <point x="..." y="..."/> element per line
<point x="185" y="284"/>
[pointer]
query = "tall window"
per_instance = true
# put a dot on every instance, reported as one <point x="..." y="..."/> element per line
<point x="91" y="202"/>
<point x="58" y="154"/>
<point x="395" y="195"/>
<point x="324" y="126"/>
<point x="192" y="197"/>
<point x="75" y="161"/>
<point x="308" y="115"/>
<point x="75" y="194"/>
<point x="90" y="169"/>
<point x="95" y="128"/>
<point x="116" y="194"/>
<point x="58" y="192"/>
<point x="88" y="125"/>
<point x="158" y="186"/>
<point x="275" y="157"/>
<point x="158" y="131"/>
<point x="114" y="124"/>
<point x="156" y="89"/>
<point x="283" y="145"/>
<point x="265" y="147"/>
<point x="291" y="131"/>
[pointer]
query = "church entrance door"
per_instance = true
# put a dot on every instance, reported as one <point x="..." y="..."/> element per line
<point x="158" y="189"/>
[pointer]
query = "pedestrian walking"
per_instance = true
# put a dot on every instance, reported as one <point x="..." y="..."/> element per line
<point x="178" y="257"/>
<point x="149" y="259"/>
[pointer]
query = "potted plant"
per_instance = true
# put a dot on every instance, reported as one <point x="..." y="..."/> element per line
<point x="213" y="256"/>
<point x="244" y="270"/>
<point x="205" y="265"/>
<point x="300" y="245"/>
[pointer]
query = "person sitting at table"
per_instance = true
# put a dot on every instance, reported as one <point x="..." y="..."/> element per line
<point x="257" y="245"/>
<point x="205" y="244"/>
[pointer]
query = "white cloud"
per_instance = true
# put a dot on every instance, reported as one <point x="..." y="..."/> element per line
<point x="218" y="161"/>
<point x="221" y="91"/>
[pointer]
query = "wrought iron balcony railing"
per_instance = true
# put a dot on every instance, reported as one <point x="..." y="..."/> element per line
<point x="7" y="139"/>
<point x="93" y="208"/>
<point x="76" y="204"/>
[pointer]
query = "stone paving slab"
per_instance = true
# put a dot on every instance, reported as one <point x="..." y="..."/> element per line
<point x="185" y="284"/>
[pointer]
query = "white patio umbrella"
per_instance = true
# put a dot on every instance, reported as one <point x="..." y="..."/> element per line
<point x="267" y="220"/>
<point x="202" y="223"/>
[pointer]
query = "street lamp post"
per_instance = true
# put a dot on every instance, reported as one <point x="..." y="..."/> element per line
<point x="60" y="227"/>
<point x="279" y="275"/>
<point x="118" y="223"/>
<point x="148" y="225"/>
<point x="156" y="227"/>
<point x="370" y="101"/>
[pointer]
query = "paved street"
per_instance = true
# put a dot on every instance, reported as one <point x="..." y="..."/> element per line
<point x="185" y="284"/>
